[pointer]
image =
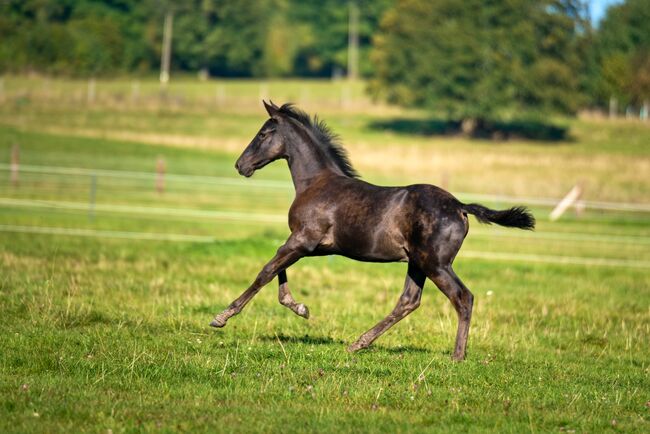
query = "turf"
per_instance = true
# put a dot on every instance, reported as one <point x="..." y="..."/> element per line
<point x="111" y="334"/>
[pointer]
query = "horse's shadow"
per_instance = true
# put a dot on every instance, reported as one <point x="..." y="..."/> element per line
<point x="326" y="340"/>
<point x="305" y="339"/>
<point x="402" y="349"/>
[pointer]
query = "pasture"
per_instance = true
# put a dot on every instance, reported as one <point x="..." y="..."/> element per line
<point x="107" y="286"/>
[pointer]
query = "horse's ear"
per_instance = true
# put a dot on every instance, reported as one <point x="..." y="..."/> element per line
<point x="271" y="109"/>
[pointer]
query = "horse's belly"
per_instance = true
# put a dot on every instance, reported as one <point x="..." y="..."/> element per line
<point x="364" y="245"/>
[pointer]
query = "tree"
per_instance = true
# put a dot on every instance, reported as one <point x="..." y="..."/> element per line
<point x="82" y="37"/>
<point x="479" y="61"/>
<point x="323" y="27"/>
<point x="251" y="38"/>
<point x="622" y="47"/>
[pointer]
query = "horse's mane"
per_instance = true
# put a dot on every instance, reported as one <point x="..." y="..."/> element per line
<point x="327" y="140"/>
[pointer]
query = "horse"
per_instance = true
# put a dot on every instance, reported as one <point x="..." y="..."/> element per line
<point x="334" y="212"/>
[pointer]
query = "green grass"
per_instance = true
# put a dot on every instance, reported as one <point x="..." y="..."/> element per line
<point x="104" y="334"/>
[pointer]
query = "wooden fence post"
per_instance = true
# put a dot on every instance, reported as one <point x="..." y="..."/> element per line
<point x="90" y="97"/>
<point x="135" y="91"/>
<point x="444" y="181"/>
<point x="15" y="164"/>
<point x="264" y="92"/>
<point x="613" y="107"/>
<point x="160" y="175"/>
<point x="220" y="96"/>
<point x="572" y="197"/>
<point x="304" y="96"/>
<point x="346" y="94"/>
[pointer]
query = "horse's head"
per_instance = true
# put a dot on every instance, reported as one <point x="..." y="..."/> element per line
<point x="266" y="146"/>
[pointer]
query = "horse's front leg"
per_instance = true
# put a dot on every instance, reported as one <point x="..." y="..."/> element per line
<point x="286" y="299"/>
<point x="287" y="255"/>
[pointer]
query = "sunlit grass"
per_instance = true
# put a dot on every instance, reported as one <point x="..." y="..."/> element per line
<point x="112" y="334"/>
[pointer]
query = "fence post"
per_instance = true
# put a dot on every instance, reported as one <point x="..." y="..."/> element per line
<point x="220" y="96"/>
<point x="346" y="94"/>
<point x="160" y="175"/>
<point x="613" y="107"/>
<point x="92" y="196"/>
<point x="135" y="91"/>
<point x="444" y="181"/>
<point x="15" y="164"/>
<point x="264" y="92"/>
<point x="643" y="115"/>
<point x="304" y="96"/>
<point x="571" y="198"/>
<point x="90" y="97"/>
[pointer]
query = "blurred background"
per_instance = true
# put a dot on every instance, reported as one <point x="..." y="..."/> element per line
<point x="123" y="115"/>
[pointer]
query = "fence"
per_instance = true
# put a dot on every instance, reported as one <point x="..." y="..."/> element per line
<point x="42" y="194"/>
<point x="186" y="93"/>
<point x="156" y="178"/>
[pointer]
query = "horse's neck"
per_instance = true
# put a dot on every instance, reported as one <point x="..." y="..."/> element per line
<point x="306" y="163"/>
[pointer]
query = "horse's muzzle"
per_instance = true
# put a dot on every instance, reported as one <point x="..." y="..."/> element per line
<point x="244" y="170"/>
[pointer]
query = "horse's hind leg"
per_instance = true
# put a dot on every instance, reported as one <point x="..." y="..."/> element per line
<point x="408" y="302"/>
<point x="462" y="300"/>
<point x="286" y="299"/>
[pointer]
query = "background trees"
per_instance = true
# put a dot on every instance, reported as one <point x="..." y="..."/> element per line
<point x="482" y="60"/>
<point x="477" y="60"/>
<point x="622" y="50"/>
<point x="249" y="38"/>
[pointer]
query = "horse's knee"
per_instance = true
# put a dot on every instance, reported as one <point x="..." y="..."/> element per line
<point x="407" y="306"/>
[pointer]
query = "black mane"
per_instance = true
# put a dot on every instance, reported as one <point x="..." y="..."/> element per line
<point x="329" y="141"/>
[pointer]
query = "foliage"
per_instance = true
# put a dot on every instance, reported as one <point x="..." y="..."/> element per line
<point x="622" y="47"/>
<point x="225" y="37"/>
<point x="73" y="37"/>
<point x="481" y="60"/>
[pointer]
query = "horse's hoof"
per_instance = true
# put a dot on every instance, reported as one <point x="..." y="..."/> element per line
<point x="302" y="311"/>
<point x="458" y="358"/>
<point x="356" y="347"/>
<point x="218" y="322"/>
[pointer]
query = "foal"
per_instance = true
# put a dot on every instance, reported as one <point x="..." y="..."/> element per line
<point x="334" y="212"/>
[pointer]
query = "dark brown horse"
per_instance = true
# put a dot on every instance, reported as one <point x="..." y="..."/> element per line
<point x="334" y="212"/>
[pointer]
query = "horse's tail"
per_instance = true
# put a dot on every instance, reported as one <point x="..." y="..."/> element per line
<point x="516" y="217"/>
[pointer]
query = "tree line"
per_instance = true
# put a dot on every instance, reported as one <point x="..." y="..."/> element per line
<point x="231" y="38"/>
<point x="475" y="59"/>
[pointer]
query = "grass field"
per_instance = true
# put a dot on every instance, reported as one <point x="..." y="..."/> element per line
<point x="104" y="331"/>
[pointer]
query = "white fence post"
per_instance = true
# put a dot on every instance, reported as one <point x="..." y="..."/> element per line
<point x="571" y="198"/>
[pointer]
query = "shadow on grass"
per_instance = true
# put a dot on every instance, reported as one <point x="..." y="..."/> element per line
<point x="516" y="129"/>
<point x="306" y="339"/>
<point x="402" y="349"/>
